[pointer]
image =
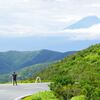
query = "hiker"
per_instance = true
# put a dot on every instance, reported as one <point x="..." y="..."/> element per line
<point x="14" y="78"/>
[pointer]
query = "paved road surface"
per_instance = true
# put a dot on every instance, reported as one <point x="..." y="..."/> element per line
<point x="9" y="92"/>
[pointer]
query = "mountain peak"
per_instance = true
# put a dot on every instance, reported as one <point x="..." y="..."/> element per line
<point x="46" y="50"/>
<point x="86" y="22"/>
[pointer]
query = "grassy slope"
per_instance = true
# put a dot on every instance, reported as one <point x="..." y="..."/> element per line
<point x="78" y="98"/>
<point x="82" y="68"/>
<point x="27" y="72"/>
<point x="84" y="65"/>
<point x="47" y="95"/>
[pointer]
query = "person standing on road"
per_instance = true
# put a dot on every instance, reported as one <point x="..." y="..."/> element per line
<point x="14" y="79"/>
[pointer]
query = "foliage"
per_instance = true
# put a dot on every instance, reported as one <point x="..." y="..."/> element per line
<point x="78" y="98"/>
<point x="78" y="74"/>
<point x="47" y="95"/>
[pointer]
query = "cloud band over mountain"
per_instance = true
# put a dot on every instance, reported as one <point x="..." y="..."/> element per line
<point x="25" y="18"/>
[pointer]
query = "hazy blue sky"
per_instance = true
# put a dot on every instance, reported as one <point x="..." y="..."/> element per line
<point x="51" y="43"/>
<point x="40" y="24"/>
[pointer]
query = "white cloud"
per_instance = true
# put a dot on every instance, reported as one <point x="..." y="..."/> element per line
<point x="76" y="34"/>
<point x="19" y="18"/>
<point x="84" y="34"/>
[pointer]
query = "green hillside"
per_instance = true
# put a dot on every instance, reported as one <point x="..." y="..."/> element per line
<point x="26" y="63"/>
<point x="24" y="73"/>
<point x="78" y="74"/>
<point x="28" y="72"/>
<point x="15" y="60"/>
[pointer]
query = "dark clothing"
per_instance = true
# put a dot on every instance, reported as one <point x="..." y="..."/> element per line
<point x="14" y="78"/>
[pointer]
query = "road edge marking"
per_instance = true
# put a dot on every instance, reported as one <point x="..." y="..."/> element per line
<point x="19" y="98"/>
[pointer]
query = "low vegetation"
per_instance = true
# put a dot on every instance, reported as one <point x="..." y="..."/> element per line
<point x="46" y="95"/>
<point x="78" y="74"/>
<point x="78" y="98"/>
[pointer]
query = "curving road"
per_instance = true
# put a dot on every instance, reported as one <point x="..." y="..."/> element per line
<point x="9" y="92"/>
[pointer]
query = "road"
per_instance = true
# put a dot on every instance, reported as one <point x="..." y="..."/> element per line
<point x="9" y="92"/>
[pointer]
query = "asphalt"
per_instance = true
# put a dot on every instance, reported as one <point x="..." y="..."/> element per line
<point x="10" y="92"/>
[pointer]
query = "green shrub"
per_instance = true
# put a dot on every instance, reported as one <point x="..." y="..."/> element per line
<point x="82" y="97"/>
<point x="46" y="95"/>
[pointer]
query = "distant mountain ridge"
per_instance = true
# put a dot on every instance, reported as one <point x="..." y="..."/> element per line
<point x="16" y="60"/>
<point x="86" y="22"/>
